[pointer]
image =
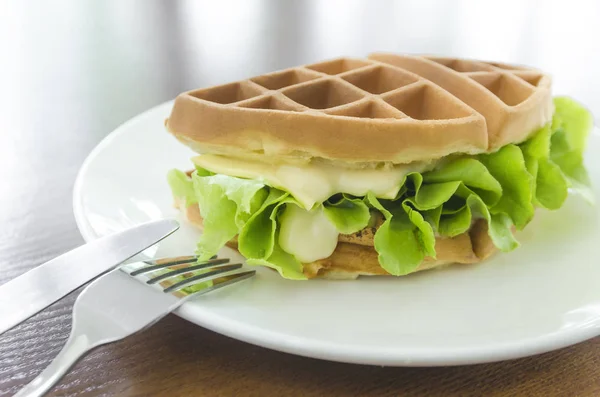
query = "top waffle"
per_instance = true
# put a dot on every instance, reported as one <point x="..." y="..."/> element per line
<point x="395" y="108"/>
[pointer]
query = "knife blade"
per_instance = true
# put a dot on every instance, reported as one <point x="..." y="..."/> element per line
<point x="37" y="289"/>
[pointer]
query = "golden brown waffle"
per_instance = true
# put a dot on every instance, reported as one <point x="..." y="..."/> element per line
<point x="385" y="108"/>
<point x="514" y="100"/>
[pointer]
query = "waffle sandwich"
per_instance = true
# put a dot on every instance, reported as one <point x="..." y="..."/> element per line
<point x="380" y="166"/>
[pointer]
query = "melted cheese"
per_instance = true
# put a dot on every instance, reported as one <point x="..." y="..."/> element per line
<point x="314" y="182"/>
<point x="308" y="235"/>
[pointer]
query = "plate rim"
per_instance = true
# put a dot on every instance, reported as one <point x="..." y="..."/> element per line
<point x="356" y="354"/>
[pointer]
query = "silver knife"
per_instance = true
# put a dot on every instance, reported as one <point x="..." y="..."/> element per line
<point x="37" y="289"/>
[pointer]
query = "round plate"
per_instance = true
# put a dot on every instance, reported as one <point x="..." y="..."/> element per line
<point x="542" y="296"/>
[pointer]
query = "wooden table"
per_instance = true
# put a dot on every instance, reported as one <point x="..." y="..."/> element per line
<point x="70" y="72"/>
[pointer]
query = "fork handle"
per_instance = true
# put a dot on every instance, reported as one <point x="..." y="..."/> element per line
<point x="73" y="350"/>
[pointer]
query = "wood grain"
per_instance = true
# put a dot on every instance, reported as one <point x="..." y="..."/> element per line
<point x="177" y="358"/>
<point x="72" y="71"/>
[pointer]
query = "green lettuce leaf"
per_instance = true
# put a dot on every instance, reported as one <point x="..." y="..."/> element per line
<point x="202" y="171"/>
<point x="457" y="223"/>
<point x="424" y="231"/>
<point x="218" y="215"/>
<point x="443" y="192"/>
<point x="434" y="217"/>
<point x="571" y="126"/>
<point x="550" y="187"/>
<point x="258" y="239"/>
<point x="286" y="264"/>
<point x="434" y="195"/>
<point x="472" y="173"/>
<point x="499" y="225"/>
<point x="182" y="187"/>
<point x="226" y="204"/>
<point x="507" y="166"/>
<point x="348" y="214"/>
<point x="574" y="120"/>
<point x="396" y="242"/>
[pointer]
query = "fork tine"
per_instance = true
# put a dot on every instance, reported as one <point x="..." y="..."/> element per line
<point x="216" y="283"/>
<point x="177" y="261"/>
<point x="135" y="267"/>
<point x="202" y="277"/>
<point x="188" y="269"/>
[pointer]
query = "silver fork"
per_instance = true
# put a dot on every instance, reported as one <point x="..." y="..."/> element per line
<point x="116" y="305"/>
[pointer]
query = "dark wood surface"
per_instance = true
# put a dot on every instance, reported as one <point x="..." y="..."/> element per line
<point x="72" y="71"/>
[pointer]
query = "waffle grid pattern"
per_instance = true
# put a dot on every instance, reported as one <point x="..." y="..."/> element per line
<point x="366" y="88"/>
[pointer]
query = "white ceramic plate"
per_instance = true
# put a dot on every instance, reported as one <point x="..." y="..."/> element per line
<point x="543" y="296"/>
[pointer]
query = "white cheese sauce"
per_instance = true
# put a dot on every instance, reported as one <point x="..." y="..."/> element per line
<point x="308" y="235"/>
<point x="314" y="182"/>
